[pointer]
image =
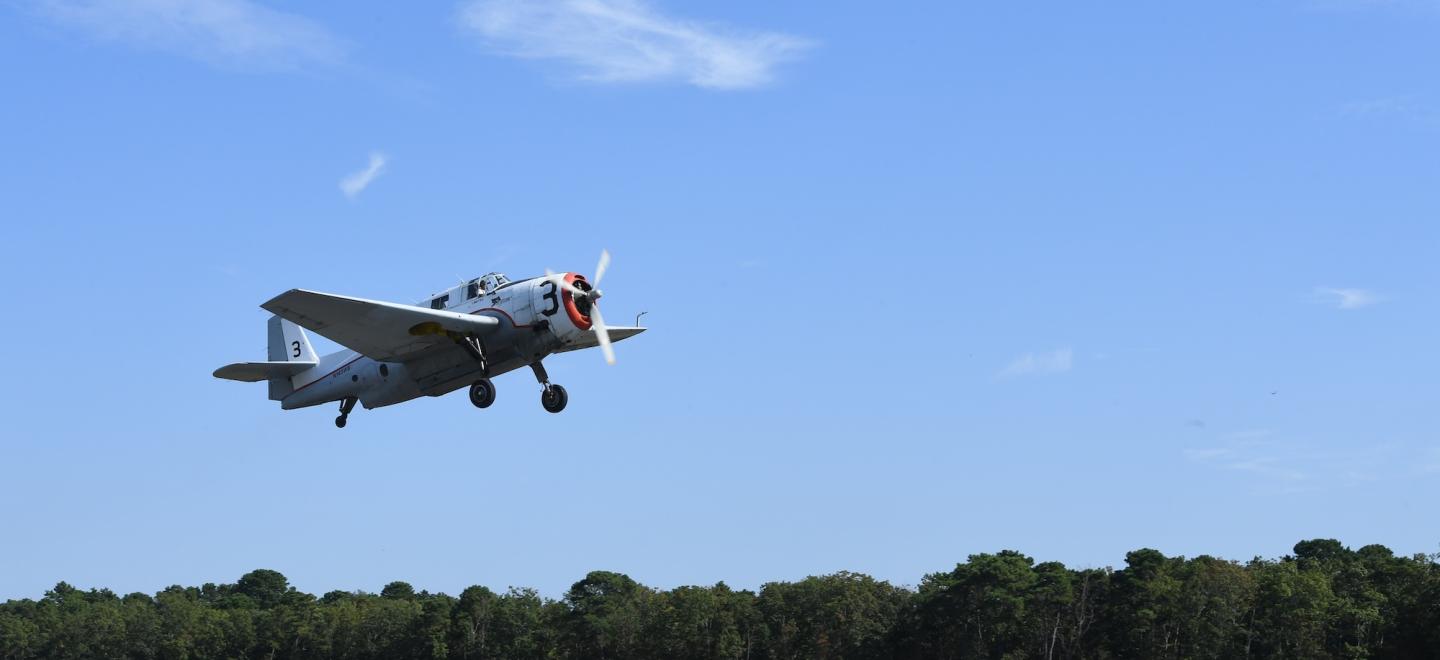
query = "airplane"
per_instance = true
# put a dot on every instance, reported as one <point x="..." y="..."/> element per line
<point x="465" y="335"/>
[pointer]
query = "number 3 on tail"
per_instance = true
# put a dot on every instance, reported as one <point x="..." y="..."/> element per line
<point x="295" y="345"/>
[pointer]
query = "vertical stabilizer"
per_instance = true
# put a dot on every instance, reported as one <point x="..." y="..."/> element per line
<point x="288" y="343"/>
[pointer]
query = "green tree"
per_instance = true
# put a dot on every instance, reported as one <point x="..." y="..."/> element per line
<point x="1294" y="608"/>
<point x="398" y="591"/>
<point x="844" y="615"/>
<point x="702" y="622"/>
<point x="1047" y="610"/>
<point x="1324" y="601"/>
<point x="1409" y="602"/>
<point x="474" y="618"/>
<point x="20" y="636"/>
<point x="520" y="630"/>
<point x="606" y="615"/>
<point x="1213" y="608"/>
<point x="489" y="625"/>
<point x="265" y="588"/>
<point x="1142" y="612"/>
<point x="980" y="609"/>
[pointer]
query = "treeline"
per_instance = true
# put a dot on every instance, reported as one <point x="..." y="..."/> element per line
<point x="1325" y="601"/>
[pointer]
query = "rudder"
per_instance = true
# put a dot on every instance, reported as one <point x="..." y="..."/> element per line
<point x="288" y="343"/>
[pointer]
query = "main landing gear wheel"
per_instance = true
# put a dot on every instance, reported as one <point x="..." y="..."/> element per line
<point x="554" y="398"/>
<point x="482" y="393"/>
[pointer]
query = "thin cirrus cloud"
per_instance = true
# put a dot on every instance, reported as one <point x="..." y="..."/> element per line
<point x="232" y="34"/>
<point x="1295" y="466"/>
<point x="1389" y="106"/>
<point x="1053" y="362"/>
<point x="355" y="183"/>
<point x="628" y="41"/>
<point x="1363" y="5"/>
<point x="1250" y="451"/>
<point x="1346" y="298"/>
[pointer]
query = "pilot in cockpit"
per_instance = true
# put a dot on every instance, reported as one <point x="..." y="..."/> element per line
<point x="487" y="284"/>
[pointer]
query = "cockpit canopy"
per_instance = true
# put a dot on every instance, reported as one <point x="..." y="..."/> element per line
<point x="468" y="291"/>
<point x="492" y="281"/>
<point x="485" y="284"/>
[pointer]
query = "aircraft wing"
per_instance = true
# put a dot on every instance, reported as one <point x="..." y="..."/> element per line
<point x="251" y="372"/>
<point x="588" y="340"/>
<point x="387" y="332"/>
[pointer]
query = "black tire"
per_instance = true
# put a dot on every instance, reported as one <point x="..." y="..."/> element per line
<point x="482" y="393"/>
<point x="554" y="398"/>
<point x="340" y="422"/>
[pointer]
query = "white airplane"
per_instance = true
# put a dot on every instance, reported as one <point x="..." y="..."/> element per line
<point x="462" y="336"/>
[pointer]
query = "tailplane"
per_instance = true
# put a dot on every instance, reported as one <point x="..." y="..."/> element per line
<point x="290" y="353"/>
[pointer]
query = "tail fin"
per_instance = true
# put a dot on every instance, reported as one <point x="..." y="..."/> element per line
<point x="288" y="343"/>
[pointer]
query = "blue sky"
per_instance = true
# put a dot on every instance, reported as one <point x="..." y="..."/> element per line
<point x="923" y="281"/>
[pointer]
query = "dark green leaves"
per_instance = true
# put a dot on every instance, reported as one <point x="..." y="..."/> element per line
<point x="1325" y="601"/>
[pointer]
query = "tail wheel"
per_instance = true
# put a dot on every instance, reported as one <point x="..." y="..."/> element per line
<point x="346" y="405"/>
<point x="482" y="393"/>
<point x="554" y="398"/>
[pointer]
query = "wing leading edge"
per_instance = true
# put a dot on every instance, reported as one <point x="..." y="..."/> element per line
<point x="388" y="332"/>
<point x="588" y="340"/>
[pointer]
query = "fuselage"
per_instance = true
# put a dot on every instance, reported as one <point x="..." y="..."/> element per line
<point x="536" y="318"/>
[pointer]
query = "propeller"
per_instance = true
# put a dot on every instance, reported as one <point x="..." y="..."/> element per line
<point x="597" y="322"/>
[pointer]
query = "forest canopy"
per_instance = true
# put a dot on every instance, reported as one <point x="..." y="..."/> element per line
<point x="1324" y="601"/>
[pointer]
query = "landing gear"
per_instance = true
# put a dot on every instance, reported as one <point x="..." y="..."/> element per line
<point x="482" y="393"/>
<point x="553" y="398"/>
<point x="476" y="349"/>
<point x="346" y="405"/>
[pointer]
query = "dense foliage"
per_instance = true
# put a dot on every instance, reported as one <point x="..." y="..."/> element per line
<point x="1324" y="601"/>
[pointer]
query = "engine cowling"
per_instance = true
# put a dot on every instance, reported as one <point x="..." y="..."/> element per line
<point x="577" y="310"/>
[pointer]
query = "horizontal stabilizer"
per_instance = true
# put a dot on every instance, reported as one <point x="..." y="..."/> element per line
<point x="251" y="372"/>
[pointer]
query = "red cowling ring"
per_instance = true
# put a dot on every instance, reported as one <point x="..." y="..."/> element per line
<point x="580" y="320"/>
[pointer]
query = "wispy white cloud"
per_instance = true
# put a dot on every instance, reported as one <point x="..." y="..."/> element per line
<point x="1268" y="466"/>
<point x="1347" y="298"/>
<point x="1241" y="453"/>
<point x="1207" y="453"/>
<point x="353" y="184"/>
<point x="1403" y="106"/>
<point x="1430" y="462"/>
<point x="1363" y="5"/>
<point x="1247" y="435"/>
<point x="235" y="34"/>
<point x="1402" y="111"/>
<point x="228" y="270"/>
<point x="1294" y="465"/>
<point x="620" y="41"/>
<point x="1054" y="362"/>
